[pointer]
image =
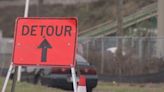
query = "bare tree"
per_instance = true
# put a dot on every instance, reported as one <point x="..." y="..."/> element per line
<point x="119" y="25"/>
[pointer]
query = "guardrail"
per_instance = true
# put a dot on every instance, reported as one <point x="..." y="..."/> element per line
<point x="110" y="27"/>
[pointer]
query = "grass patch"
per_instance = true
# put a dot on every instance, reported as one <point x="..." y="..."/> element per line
<point x="26" y="87"/>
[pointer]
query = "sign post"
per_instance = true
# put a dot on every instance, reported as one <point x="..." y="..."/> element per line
<point x="74" y="78"/>
<point x="7" y="77"/>
<point x="25" y="15"/>
<point x="14" y="79"/>
<point x="26" y="8"/>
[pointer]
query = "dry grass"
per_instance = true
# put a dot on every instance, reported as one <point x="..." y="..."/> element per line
<point x="115" y="87"/>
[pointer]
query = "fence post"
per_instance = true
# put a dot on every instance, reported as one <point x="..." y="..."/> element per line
<point x="140" y="49"/>
<point x="102" y="56"/>
<point x="87" y="51"/>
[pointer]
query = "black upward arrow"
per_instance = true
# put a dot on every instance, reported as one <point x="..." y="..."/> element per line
<point x="44" y="46"/>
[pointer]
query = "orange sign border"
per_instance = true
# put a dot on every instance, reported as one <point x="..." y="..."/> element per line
<point x="59" y="18"/>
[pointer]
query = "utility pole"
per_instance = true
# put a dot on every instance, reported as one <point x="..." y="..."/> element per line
<point x="119" y="34"/>
<point x="119" y="17"/>
<point x="119" y="26"/>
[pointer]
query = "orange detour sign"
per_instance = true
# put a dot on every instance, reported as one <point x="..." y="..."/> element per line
<point x="45" y="41"/>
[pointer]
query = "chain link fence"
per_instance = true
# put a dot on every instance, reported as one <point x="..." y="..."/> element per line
<point x="123" y="55"/>
<point x="112" y="56"/>
<point x="5" y="54"/>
